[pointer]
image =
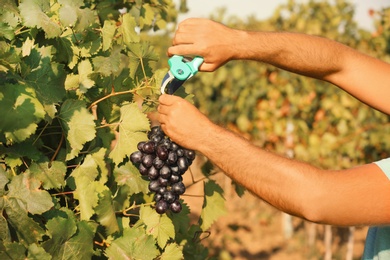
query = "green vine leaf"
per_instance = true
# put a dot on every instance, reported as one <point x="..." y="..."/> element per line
<point x="213" y="204"/>
<point x="105" y="212"/>
<point x="34" y="15"/>
<point x="36" y="252"/>
<point x="127" y="29"/>
<point x="50" y="175"/>
<point x="128" y="175"/>
<point x="82" y="80"/>
<point x="78" y="124"/>
<point x="159" y="226"/>
<point x="172" y="252"/>
<point x="26" y="190"/>
<point x="133" y="125"/>
<point x="88" y="187"/>
<point x="133" y="244"/>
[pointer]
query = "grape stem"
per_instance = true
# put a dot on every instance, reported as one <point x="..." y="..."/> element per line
<point x="134" y="206"/>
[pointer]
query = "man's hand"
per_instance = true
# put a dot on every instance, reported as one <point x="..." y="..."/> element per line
<point x="183" y="122"/>
<point x="211" y="40"/>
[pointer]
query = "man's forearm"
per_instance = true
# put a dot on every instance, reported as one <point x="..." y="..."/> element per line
<point x="307" y="55"/>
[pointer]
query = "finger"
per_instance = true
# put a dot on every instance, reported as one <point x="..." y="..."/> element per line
<point x="168" y="100"/>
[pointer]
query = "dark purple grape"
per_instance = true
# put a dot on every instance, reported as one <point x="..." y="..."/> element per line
<point x="156" y="138"/>
<point x="162" y="152"/>
<point x="175" y="206"/>
<point x="143" y="170"/>
<point x="182" y="163"/>
<point x="175" y="178"/>
<point x="161" y="190"/>
<point x="161" y="206"/>
<point x="174" y="146"/>
<point x="140" y="146"/>
<point x="155" y="130"/>
<point x="157" y="197"/>
<point x="149" y="147"/>
<point x="165" y="142"/>
<point x="165" y="172"/>
<point x="189" y="154"/>
<point x="154" y="186"/>
<point x="175" y="170"/>
<point x="158" y="163"/>
<point x="163" y="182"/>
<point x="170" y="196"/>
<point x="153" y="173"/>
<point x="172" y="158"/>
<point x="178" y="188"/>
<point x="180" y="152"/>
<point x="147" y="160"/>
<point x="136" y="157"/>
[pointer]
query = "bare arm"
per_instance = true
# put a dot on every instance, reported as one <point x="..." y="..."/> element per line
<point x="357" y="196"/>
<point x="364" y="77"/>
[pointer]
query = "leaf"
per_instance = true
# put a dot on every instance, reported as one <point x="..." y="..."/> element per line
<point x="88" y="187"/>
<point x="25" y="189"/>
<point x="51" y="177"/>
<point x="133" y="125"/>
<point x="159" y="226"/>
<point x="111" y="65"/>
<point x="133" y="244"/>
<point x="12" y="250"/>
<point x="46" y="77"/>
<point x="21" y="111"/>
<point x="33" y="14"/>
<point x="105" y="212"/>
<point x="27" y="230"/>
<point x="79" y="125"/>
<point x="172" y="252"/>
<point x="108" y="32"/>
<point x="213" y="205"/>
<point x="146" y="15"/>
<point x="129" y="175"/>
<point x="82" y="80"/>
<point x="9" y="57"/>
<point x="69" y="239"/>
<point x="141" y="51"/>
<point x="127" y="29"/>
<point x="36" y="252"/>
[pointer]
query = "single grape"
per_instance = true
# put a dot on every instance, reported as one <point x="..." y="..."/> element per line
<point x="166" y="142"/>
<point x="143" y="170"/>
<point x="156" y="138"/>
<point x="147" y="160"/>
<point x="163" y="182"/>
<point x="174" y="146"/>
<point x="158" y="163"/>
<point x="178" y="188"/>
<point x="172" y="158"/>
<point x="165" y="172"/>
<point x="153" y="173"/>
<point x="182" y="163"/>
<point x="140" y="146"/>
<point x="136" y="157"/>
<point x="161" y="190"/>
<point x="162" y="152"/>
<point x="175" y="170"/>
<point x="149" y="147"/>
<point x="175" y="178"/>
<point x="154" y="186"/>
<point x="169" y="196"/>
<point x="175" y="206"/>
<point x="161" y="206"/>
<point x="158" y="197"/>
<point x="189" y="154"/>
<point x="180" y="152"/>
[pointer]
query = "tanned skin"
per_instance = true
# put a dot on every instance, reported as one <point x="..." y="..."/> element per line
<point x="351" y="197"/>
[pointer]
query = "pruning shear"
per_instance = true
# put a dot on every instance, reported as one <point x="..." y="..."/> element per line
<point x="181" y="69"/>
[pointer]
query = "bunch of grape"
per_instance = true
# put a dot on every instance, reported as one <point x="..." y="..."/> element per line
<point x="163" y="162"/>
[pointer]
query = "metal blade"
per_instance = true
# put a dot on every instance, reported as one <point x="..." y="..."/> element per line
<point x="174" y="85"/>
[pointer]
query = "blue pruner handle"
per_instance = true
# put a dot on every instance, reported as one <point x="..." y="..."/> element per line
<point x="183" y="69"/>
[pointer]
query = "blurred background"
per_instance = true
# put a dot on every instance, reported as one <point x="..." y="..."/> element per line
<point x="299" y="117"/>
